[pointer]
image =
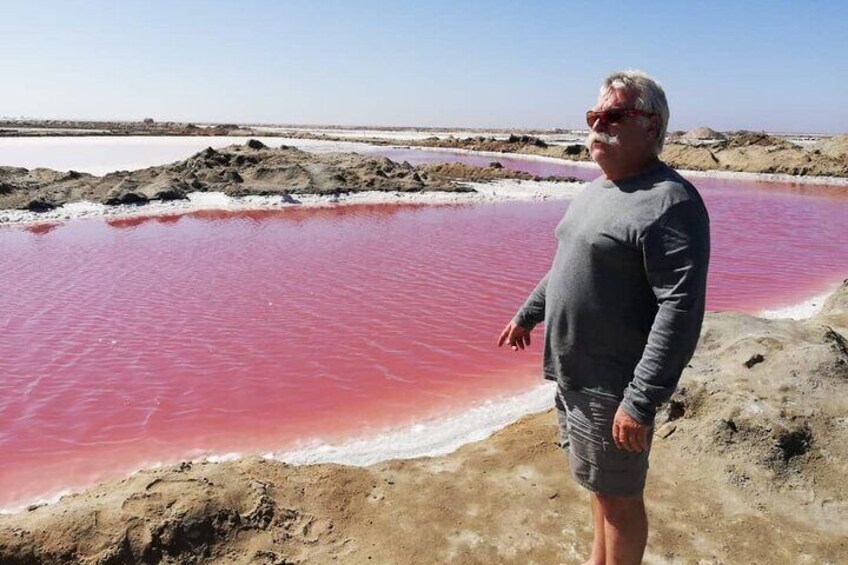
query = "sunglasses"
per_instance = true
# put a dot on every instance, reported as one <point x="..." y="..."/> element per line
<point x="614" y="115"/>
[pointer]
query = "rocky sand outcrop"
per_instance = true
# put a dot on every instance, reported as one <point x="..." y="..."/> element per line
<point x="255" y="169"/>
<point x="702" y="133"/>
<point x="236" y="171"/>
<point x="240" y="170"/>
<point x="755" y="153"/>
<point x="741" y="151"/>
<point x="748" y="467"/>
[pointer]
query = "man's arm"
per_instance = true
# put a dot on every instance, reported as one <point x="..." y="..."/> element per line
<point x="517" y="332"/>
<point x="676" y="251"/>
<point x="532" y="312"/>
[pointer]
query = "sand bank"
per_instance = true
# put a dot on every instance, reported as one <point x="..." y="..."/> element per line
<point x="252" y="169"/>
<point x="60" y="196"/>
<point x="292" y="175"/>
<point x="743" y="151"/>
<point x="495" y="191"/>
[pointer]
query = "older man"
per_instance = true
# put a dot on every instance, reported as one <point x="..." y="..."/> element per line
<point x="623" y="304"/>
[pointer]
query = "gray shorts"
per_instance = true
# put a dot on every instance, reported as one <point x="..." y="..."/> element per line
<point x="585" y="422"/>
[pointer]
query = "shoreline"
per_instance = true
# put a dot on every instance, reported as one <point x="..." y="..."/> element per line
<point x="432" y="437"/>
<point x="736" y="175"/>
<point x="505" y="190"/>
<point x="512" y="189"/>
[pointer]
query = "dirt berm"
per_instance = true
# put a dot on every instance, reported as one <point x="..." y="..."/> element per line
<point x="741" y="151"/>
<point x="240" y="170"/>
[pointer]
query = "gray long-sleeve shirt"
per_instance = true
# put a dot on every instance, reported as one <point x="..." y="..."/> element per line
<point x="624" y="299"/>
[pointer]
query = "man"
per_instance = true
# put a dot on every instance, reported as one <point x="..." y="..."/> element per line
<point x="623" y="304"/>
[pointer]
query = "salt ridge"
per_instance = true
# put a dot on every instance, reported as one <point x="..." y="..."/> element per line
<point x="496" y="191"/>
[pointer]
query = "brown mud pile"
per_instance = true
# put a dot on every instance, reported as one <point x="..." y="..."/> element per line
<point x="239" y="170"/>
<point x="523" y="144"/>
<point x="494" y="171"/>
<point x="754" y="153"/>
<point x="739" y="152"/>
<point x="748" y="467"/>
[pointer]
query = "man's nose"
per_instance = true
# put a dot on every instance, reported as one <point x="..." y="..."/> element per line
<point x="599" y="125"/>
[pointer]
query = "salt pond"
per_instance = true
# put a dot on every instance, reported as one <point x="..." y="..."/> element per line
<point x="130" y="341"/>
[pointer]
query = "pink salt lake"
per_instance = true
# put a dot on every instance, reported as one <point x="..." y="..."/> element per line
<point x="129" y="342"/>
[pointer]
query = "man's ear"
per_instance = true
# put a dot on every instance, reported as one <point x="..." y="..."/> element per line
<point x="653" y="126"/>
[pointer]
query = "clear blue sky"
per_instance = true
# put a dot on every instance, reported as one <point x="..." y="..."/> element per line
<point x="774" y="65"/>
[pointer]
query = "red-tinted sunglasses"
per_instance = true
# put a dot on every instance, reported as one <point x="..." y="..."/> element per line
<point x="613" y="115"/>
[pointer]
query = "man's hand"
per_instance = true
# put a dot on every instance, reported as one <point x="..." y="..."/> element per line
<point x="628" y="433"/>
<point x="515" y="336"/>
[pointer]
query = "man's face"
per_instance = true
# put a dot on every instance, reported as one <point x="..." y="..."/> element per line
<point x="630" y="143"/>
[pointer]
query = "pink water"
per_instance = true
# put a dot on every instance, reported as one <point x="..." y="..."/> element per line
<point x="128" y="342"/>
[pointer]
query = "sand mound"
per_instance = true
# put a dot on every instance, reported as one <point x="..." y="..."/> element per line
<point x="236" y="171"/>
<point x="753" y="152"/>
<point x="835" y="147"/>
<point x="738" y="151"/>
<point x="701" y="134"/>
<point x="495" y="171"/>
<point x="522" y="144"/>
<point x="834" y="311"/>
<point x="772" y="424"/>
<point x="754" y="139"/>
<point x="748" y="466"/>
<point x="241" y="170"/>
<point x="690" y="157"/>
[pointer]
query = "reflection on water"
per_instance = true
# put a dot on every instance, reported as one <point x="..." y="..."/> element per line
<point x="42" y="229"/>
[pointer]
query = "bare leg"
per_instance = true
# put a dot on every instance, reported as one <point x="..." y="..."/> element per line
<point x="598" y="556"/>
<point x="626" y="528"/>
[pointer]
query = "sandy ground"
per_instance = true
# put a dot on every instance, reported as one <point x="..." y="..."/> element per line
<point x="749" y="466"/>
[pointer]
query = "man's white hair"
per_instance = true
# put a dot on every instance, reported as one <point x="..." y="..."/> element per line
<point x="650" y="97"/>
